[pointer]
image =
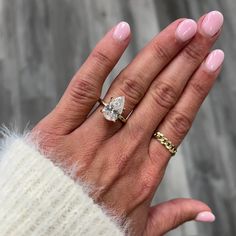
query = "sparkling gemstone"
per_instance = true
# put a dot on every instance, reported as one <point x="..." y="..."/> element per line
<point x="114" y="108"/>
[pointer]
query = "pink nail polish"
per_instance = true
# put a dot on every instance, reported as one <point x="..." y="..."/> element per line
<point x="212" y="23"/>
<point x="205" y="216"/>
<point x="214" y="60"/>
<point x="121" y="31"/>
<point x="186" y="30"/>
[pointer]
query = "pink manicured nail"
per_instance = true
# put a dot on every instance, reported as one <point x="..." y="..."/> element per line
<point x="122" y="31"/>
<point x="186" y="30"/>
<point x="212" y="23"/>
<point x="205" y="216"/>
<point x="214" y="60"/>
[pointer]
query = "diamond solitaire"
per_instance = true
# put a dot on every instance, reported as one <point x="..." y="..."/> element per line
<point x="113" y="110"/>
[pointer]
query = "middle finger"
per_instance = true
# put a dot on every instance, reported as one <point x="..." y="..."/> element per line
<point x="134" y="80"/>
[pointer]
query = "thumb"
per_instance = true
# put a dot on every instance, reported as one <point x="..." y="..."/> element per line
<point x="171" y="214"/>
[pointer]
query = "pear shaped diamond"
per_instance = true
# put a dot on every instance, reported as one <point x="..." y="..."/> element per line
<point x="114" y="108"/>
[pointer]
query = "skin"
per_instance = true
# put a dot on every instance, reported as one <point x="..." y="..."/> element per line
<point x="165" y="84"/>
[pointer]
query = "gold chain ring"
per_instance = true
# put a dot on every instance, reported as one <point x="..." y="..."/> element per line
<point x="165" y="142"/>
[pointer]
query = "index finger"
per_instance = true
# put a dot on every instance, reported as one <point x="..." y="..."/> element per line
<point x="85" y="88"/>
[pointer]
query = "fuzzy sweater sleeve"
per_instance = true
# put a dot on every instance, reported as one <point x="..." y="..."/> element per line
<point x="37" y="198"/>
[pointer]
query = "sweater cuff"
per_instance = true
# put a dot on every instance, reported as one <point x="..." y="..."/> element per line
<point x="37" y="198"/>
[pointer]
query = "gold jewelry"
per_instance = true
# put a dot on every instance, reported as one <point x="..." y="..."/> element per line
<point x="165" y="142"/>
<point x="113" y="110"/>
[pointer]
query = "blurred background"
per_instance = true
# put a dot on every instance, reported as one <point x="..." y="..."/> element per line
<point x="43" y="43"/>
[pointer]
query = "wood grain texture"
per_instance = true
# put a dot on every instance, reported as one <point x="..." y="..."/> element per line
<point x="43" y="43"/>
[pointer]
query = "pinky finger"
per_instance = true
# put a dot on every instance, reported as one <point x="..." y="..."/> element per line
<point x="179" y="120"/>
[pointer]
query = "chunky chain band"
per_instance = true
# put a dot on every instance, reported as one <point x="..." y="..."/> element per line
<point x="165" y="142"/>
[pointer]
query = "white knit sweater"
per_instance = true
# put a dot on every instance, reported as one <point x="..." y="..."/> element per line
<point x="37" y="198"/>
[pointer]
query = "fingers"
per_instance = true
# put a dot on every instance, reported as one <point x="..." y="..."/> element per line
<point x="134" y="80"/>
<point x="169" y="215"/>
<point x="166" y="89"/>
<point x="179" y="120"/>
<point x="85" y="88"/>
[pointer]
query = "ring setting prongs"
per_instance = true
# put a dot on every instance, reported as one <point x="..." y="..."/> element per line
<point x="113" y="110"/>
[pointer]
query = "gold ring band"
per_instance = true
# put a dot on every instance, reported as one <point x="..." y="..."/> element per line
<point x="165" y="142"/>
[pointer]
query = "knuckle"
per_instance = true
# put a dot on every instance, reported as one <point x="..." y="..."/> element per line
<point x="83" y="90"/>
<point x="132" y="88"/>
<point x="179" y="123"/>
<point x="160" y="51"/>
<point x="193" y="53"/>
<point x="121" y="161"/>
<point x="164" y="95"/>
<point x="198" y="88"/>
<point x="101" y="58"/>
<point x="48" y="140"/>
<point x="136" y="132"/>
<point x="158" y="158"/>
<point x="141" y="192"/>
<point x="149" y="181"/>
<point x="147" y="185"/>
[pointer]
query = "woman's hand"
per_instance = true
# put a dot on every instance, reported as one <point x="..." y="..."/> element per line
<point x="164" y="86"/>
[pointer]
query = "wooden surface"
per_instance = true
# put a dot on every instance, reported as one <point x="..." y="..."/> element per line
<point x="42" y="44"/>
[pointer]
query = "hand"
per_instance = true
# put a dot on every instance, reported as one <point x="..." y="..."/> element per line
<point x="123" y="164"/>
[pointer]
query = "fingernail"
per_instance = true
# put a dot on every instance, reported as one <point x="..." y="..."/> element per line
<point x="212" y="23"/>
<point x="186" y="30"/>
<point x="205" y="216"/>
<point x="122" y="31"/>
<point x="214" y="60"/>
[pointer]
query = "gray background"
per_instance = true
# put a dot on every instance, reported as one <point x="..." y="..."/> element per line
<point x="43" y="43"/>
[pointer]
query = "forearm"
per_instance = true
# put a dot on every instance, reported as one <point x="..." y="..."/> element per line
<point x="37" y="198"/>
